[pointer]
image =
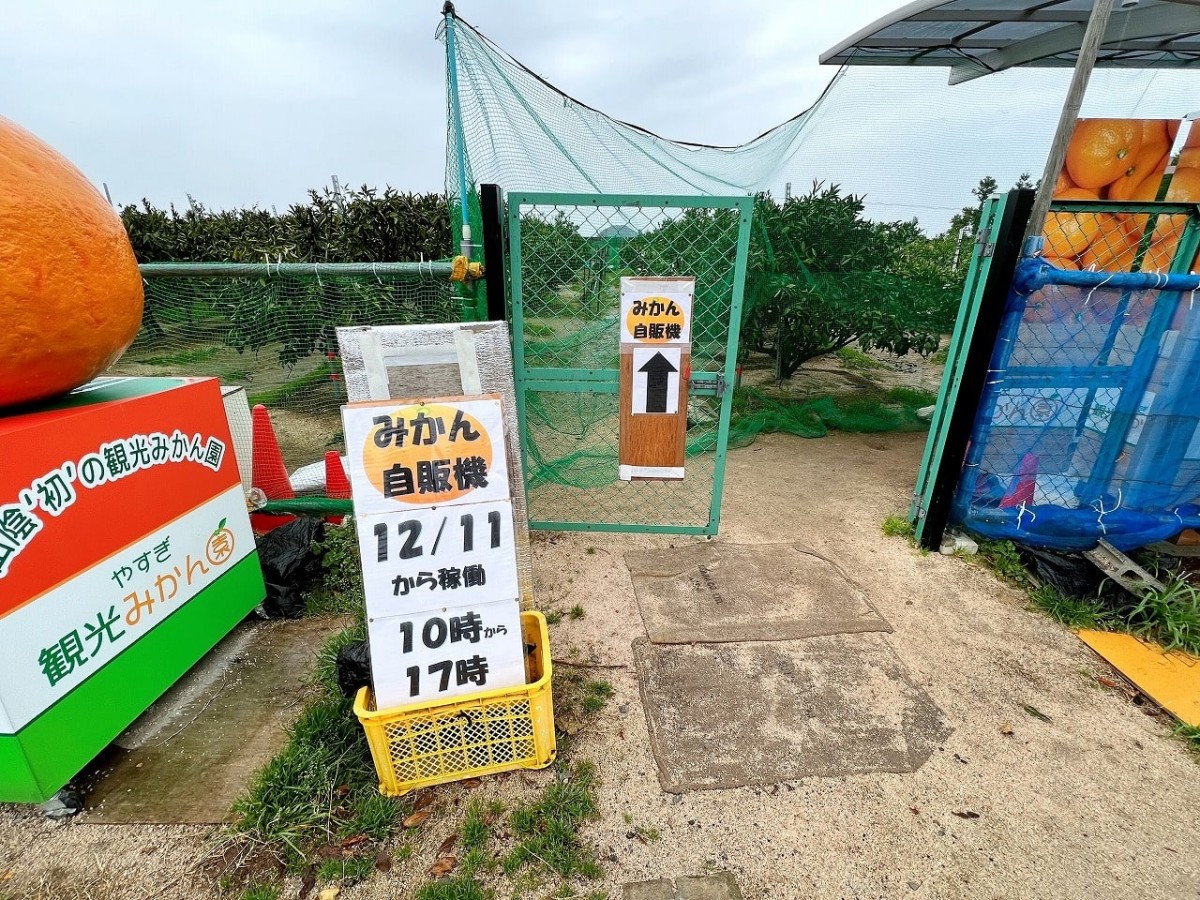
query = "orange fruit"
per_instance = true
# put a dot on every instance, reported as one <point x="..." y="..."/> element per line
<point x="1151" y="159"/>
<point x="70" y="290"/>
<point x="1101" y="149"/>
<point x="1184" y="188"/>
<point x="1189" y="158"/>
<point x="1069" y="234"/>
<point x="1063" y="183"/>
<point x="1112" y="251"/>
<point x="1060" y="263"/>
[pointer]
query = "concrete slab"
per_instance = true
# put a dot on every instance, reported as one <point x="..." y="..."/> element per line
<point x="727" y="715"/>
<point x="188" y="757"/>
<point x="720" y="886"/>
<point x="714" y="592"/>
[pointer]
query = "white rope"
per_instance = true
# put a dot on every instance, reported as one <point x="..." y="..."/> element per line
<point x="1107" y="279"/>
<point x="1102" y="512"/>
<point x="1021" y="510"/>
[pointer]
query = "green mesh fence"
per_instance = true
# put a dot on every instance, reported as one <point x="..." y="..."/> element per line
<point x="271" y="330"/>
<point x="569" y="255"/>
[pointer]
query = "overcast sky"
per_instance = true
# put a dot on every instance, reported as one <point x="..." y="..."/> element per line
<point x="242" y="102"/>
<point x="251" y="102"/>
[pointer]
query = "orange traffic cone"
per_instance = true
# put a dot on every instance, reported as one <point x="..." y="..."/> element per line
<point x="337" y="485"/>
<point x="267" y="471"/>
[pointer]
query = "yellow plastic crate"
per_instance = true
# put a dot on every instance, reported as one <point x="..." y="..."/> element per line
<point x="422" y="744"/>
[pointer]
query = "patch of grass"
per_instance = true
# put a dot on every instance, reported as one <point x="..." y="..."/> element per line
<point x="322" y="784"/>
<point x="182" y="358"/>
<point x="1190" y="735"/>
<point x="349" y="871"/>
<point x="852" y="358"/>
<point x="898" y="526"/>
<point x="261" y="892"/>
<point x="403" y="853"/>
<point x="475" y="830"/>
<point x="460" y="887"/>
<point x="596" y="696"/>
<point x="374" y="815"/>
<point x="1170" y="616"/>
<point x="297" y="389"/>
<point x="941" y="357"/>
<point x="590" y="551"/>
<point x="339" y="590"/>
<point x="553" y="617"/>
<point x="1074" y="612"/>
<point x="917" y="398"/>
<point x="577" y="611"/>
<point x="1004" y="560"/>
<point x="548" y="829"/>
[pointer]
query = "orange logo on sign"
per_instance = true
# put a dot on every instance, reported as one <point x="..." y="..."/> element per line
<point x="220" y="545"/>
<point x="427" y="454"/>
<point x="655" y="320"/>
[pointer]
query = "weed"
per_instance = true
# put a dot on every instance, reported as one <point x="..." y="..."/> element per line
<point x="475" y="830"/>
<point x="340" y="590"/>
<point x="1190" y="735"/>
<point x="553" y="617"/>
<point x="577" y="611"/>
<point x="941" y="357"/>
<point x="295" y="390"/>
<point x="349" y="871"/>
<point x="321" y="784"/>
<point x="856" y="359"/>
<point x="917" y="398"/>
<point x="182" y="358"/>
<point x="548" y="829"/>
<point x="591" y="551"/>
<point x="374" y="815"/>
<point x="1074" y="612"/>
<point x="475" y="861"/>
<point x="261" y="892"/>
<point x="537" y="329"/>
<point x="596" y="696"/>
<point x="898" y="526"/>
<point x="627" y="818"/>
<point x="1170" y="616"/>
<point x="1004" y="559"/>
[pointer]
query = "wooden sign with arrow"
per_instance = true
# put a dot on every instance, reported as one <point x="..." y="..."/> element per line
<point x="655" y="364"/>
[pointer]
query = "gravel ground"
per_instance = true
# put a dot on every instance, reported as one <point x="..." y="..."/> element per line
<point x="1098" y="802"/>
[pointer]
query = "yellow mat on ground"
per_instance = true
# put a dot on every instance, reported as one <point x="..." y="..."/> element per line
<point x="1172" y="680"/>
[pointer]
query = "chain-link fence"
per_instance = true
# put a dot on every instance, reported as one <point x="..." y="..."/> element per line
<point x="1088" y="422"/>
<point x="569" y="255"/>
<point x="270" y="329"/>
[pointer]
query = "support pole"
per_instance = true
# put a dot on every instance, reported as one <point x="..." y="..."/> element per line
<point x="456" y="123"/>
<point x="1093" y="36"/>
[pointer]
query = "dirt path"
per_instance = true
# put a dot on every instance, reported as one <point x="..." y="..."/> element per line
<point x="1098" y="802"/>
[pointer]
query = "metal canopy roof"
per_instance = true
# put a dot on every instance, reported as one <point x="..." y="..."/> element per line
<point x="977" y="37"/>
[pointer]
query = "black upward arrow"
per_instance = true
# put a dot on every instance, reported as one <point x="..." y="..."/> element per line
<point x="658" y="370"/>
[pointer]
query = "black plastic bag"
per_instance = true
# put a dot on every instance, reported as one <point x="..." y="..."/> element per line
<point x="353" y="667"/>
<point x="1068" y="573"/>
<point x="290" y="566"/>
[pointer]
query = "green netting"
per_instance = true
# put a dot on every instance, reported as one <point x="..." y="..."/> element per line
<point x="756" y="412"/>
<point x="271" y="329"/>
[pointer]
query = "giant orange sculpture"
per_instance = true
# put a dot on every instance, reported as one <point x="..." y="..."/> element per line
<point x="70" y="291"/>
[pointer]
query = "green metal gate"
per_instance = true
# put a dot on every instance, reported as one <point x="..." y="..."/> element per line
<point x="567" y="254"/>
